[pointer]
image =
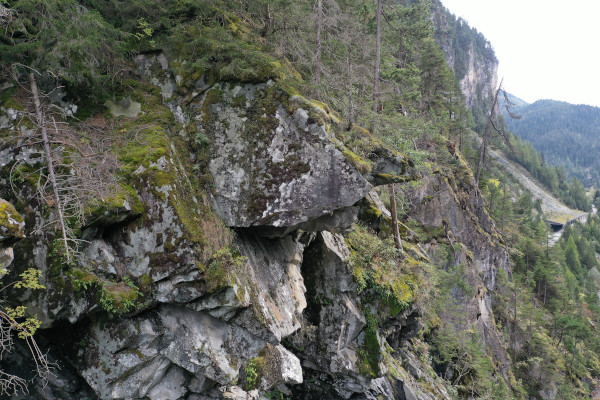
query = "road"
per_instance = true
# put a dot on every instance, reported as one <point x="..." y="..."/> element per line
<point x="553" y="209"/>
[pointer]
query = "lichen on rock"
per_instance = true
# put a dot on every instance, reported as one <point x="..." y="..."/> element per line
<point x="270" y="166"/>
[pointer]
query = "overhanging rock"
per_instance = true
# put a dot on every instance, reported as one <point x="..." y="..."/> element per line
<point x="274" y="163"/>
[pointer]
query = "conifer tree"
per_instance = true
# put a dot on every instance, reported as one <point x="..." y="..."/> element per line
<point x="572" y="258"/>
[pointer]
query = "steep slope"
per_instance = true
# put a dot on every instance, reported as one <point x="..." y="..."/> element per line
<point x="554" y="210"/>
<point x="282" y="301"/>
<point x="471" y="57"/>
<point x="228" y="229"/>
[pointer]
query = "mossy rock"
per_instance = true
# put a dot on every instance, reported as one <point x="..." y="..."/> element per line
<point x="122" y="205"/>
<point x="363" y="166"/>
<point x="286" y="167"/>
<point x="12" y="225"/>
<point x="369" y="353"/>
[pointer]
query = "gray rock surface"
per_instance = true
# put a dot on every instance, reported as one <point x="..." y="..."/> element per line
<point x="283" y="300"/>
<point x="175" y="351"/>
<point x="273" y="166"/>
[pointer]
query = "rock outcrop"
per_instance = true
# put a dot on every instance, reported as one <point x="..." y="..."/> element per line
<point x="219" y="269"/>
<point x="274" y="165"/>
<point x="471" y="56"/>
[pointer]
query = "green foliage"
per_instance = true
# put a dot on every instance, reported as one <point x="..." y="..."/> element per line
<point x="15" y="317"/>
<point x="572" y="258"/>
<point x="370" y="352"/>
<point x="276" y="395"/>
<point x="216" y="53"/>
<point x="114" y="297"/>
<point x="566" y="134"/>
<point x="222" y="267"/>
<point x="145" y="32"/>
<point x="30" y="279"/>
<point x="70" y="41"/>
<point x="379" y="270"/>
<point x="546" y="306"/>
<point x="253" y="372"/>
<point x="119" y="298"/>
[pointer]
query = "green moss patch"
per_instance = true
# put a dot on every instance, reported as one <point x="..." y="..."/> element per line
<point x="222" y="269"/>
<point x="223" y="53"/>
<point x="11" y="222"/>
<point x="123" y="203"/>
<point x="364" y="167"/>
<point x="369" y="353"/>
<point x="380" y="272"/>
<point x="114" y="297"/>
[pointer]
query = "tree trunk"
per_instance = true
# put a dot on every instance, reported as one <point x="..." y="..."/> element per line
<point x="377" y="58"/>
<point x="503" y="205"/>
<point x="350" y="93"/>
<point x="545" y="287"/>
<point x="319" y="45"/>
<point x="49" y="160"/>
<point x="395" y="230"/>
<point x="482" y="152"/>
<point x="515" y="323"/>
<point x="486" y="134"/>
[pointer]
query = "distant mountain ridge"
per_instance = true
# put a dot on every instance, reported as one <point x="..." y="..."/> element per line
<point x="566" y="134"/>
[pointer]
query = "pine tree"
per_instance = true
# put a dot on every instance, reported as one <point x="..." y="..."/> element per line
<point x="60" y="36"/>
<point x="572" y="258"/>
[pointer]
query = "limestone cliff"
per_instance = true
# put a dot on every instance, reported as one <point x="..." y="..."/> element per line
<point x="471" y="57"/>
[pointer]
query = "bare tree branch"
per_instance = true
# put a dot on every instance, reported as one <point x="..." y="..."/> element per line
<point x="49" y="160"/>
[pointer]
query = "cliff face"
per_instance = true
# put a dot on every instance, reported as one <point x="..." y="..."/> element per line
<point x="218" y="268"/>
<point x="196" y="306"/>
<point x="471" y="57"/>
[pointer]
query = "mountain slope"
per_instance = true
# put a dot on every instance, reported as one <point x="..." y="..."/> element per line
<point x="566" y="134"/>
<point x="554" y="210"/>
<point x="248" y="213"/>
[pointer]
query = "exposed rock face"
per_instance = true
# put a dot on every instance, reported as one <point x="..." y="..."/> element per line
<point x="273" y="165"/>
<point x="174" y="351"/>
<point x="273" y="306"/>
<point x="333" y="322"/>
<point x="474" y="62"/>
<point x="458" y="208"/>
<point x="276" y="288"/>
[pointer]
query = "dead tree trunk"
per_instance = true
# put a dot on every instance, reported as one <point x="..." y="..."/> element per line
<point x="395" y="230"/>
<point x="319" y="44"/>
<point x="49" y="161"/>
<point x="486" y="135"/>
<point x="377" y="58"/>
<point x="490" y="124"/>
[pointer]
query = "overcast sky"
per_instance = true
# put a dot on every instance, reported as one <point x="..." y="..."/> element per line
<point x="548" y="49"/>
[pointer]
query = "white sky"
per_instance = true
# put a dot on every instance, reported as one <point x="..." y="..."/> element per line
<point x="548" y="49"/>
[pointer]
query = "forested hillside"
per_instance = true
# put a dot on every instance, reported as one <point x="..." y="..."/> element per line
<point x="568" y="135"/>
<point x="273" y="199"/>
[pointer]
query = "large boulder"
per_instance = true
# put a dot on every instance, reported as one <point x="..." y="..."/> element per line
<point x="274" y="161"/>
